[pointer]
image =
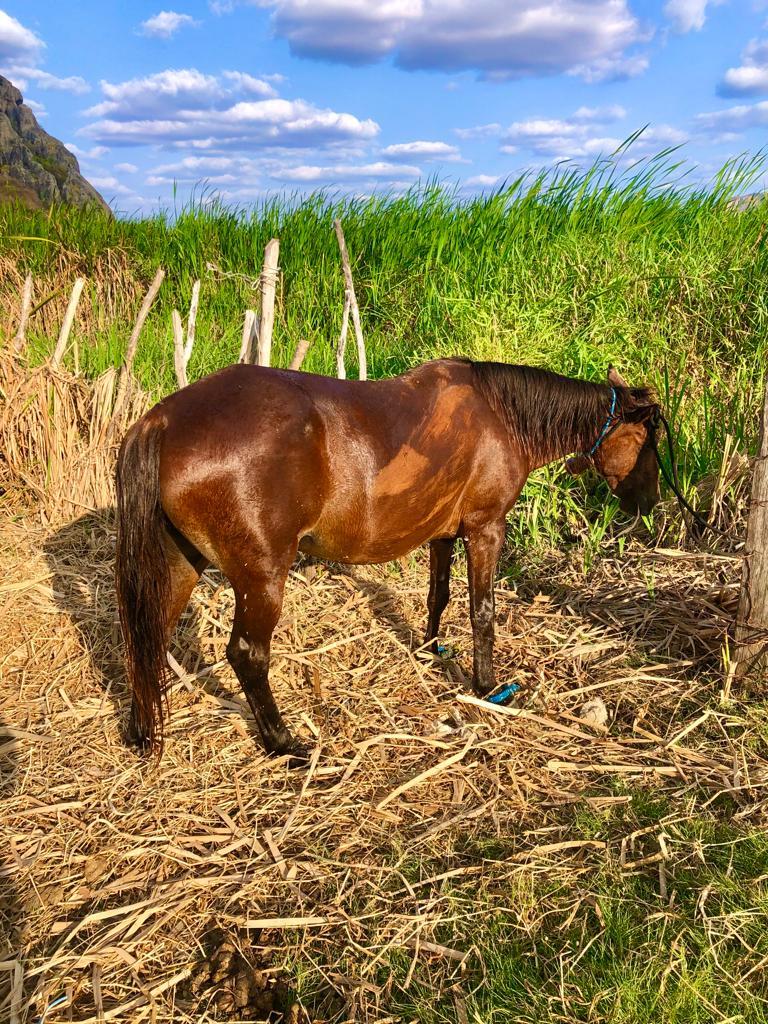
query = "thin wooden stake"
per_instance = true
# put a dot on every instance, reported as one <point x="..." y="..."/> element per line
<point x="299" y="355"/>
<point x="361" y="359"/>
<point x="268" y="282"/>
<point x="179" y="362"/>
<point x="751" y="642"/>
<point x="341" y="371"/>
<point x="66" y="327"/>
<point x="20" y="337"/>
<point x="133" y="341"/>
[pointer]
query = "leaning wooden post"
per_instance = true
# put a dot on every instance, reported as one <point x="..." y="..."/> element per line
<point x="751" y="641"/>
<point x="66" y="326"/>
<point x="20" y="337"/>
<point x="133" y="341"/>
<point x="299" y="355"/>
<point x="361" y="360"/>
<point x="268" y="282"/>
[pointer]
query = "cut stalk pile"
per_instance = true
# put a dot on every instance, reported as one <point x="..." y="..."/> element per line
<point x="217" y="883"/>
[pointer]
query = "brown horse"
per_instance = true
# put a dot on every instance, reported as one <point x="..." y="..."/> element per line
<point x="246" y="466"/>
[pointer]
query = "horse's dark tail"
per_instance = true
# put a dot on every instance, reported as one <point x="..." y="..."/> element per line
<point x="142" y="577"/>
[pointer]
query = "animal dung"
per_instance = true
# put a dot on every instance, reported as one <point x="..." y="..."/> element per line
<point x="594" y="713"/>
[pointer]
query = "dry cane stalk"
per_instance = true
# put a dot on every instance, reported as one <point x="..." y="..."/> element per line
<point x="66" y="327"/>
<point x="20" y="337"/>
<point x="361" y="359"/>
<point x="133" y="341"/>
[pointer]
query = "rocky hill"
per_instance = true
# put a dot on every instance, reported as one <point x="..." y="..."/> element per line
<point x="35" y="168"/>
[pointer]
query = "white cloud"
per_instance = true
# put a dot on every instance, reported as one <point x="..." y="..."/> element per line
<point x="20" y="54"/>
<point x="126" y="168"/>
<point x="249" y="85"/>
<point x="734" y="120"/>
<point x="751" y="77"/>
<point x="37" y="108"/>
<point x="604" y="115"/>
<point x="189" y="108"/>
<point x="577" y="136"/>
<point x="687" y="15"/>
<point x="161" y="94"/>
<point x="499" y="39"/>
<point x="109" y="184"/>
<point x="345" y="172"/>
<point x="94" y="153"/>
<point x="422" y="149"/>
<point x="611" y="69"/>
<point x="44" y="80"/>
<point x="166" y="24"/>
<point x="17" y="43"/>
<point x="480" y="131"/>
<point x="483" y="180"/>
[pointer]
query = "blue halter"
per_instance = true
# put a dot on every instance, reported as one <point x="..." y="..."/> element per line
<point x="606" y="426"/>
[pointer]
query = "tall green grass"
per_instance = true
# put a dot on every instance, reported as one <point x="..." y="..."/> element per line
<point x="569" y="270"/>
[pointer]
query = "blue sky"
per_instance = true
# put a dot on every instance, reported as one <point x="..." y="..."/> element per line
<point x="257" y="96"/>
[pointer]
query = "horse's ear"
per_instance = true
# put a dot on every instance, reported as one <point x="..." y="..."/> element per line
<point x="577" y="464"/>
<point x="615" y="378"/>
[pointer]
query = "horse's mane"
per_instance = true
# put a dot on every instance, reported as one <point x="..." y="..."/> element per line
<point x="550" y="415"/>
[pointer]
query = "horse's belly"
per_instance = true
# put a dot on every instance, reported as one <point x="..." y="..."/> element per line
<point x="381" y="531"/>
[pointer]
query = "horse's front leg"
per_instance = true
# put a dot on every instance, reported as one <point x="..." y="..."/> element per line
<point x="440" y="555"/>
<point x="483" y="545"/>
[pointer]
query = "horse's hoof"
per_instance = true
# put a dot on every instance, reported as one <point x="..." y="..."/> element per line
<point x="297" y="753"/>
<point x="137" y="739"/>
<point x="299" y="756"/>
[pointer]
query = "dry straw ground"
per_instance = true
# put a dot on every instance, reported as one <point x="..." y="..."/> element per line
<point x="218" y="883"/>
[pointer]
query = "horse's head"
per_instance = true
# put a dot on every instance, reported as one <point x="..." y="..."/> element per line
<point x="626" y="458"/>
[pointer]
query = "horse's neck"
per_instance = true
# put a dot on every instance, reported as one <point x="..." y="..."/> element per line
<point x="547" y="416"/>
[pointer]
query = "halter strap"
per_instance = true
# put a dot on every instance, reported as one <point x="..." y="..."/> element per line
<point x="606" y="426"/>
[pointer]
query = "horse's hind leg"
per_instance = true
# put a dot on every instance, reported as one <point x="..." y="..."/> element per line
<point x="185" y="565"/>
<point x="440" y="555"/>
<point x="258" y="600"/>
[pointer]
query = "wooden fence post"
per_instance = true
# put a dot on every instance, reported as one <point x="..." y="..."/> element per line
<point x="350" y="285"/>
<point x="751" y="642"/>
<point x="268" y="282"/>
